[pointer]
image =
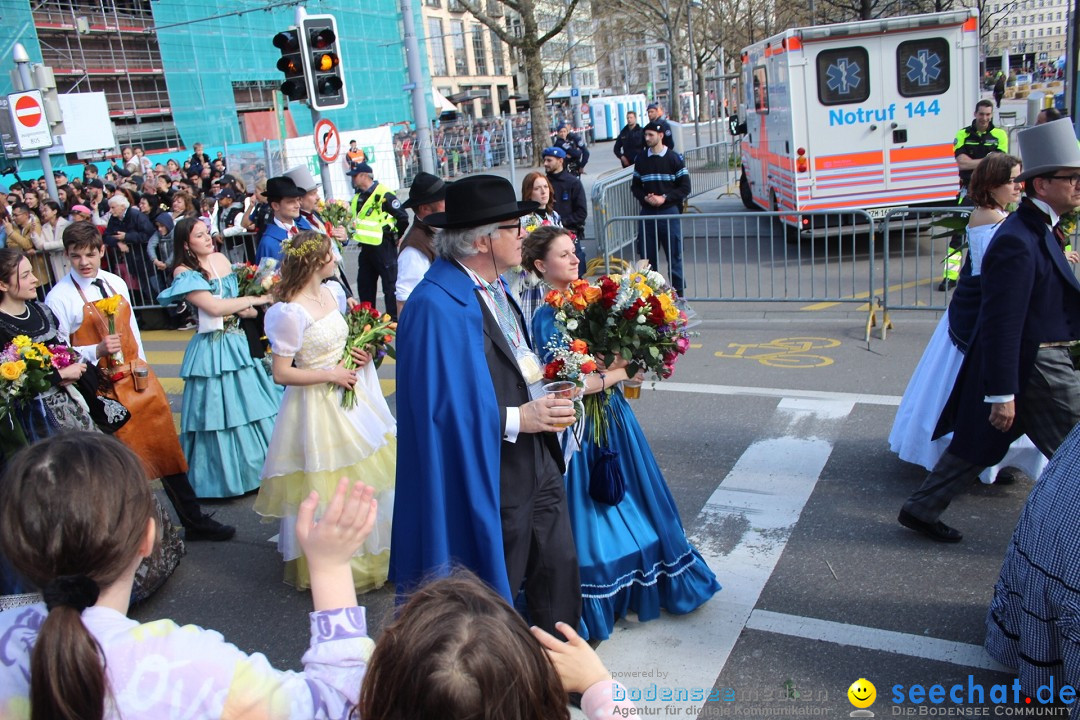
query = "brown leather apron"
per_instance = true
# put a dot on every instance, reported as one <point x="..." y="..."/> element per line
<point x="150" y="432"/>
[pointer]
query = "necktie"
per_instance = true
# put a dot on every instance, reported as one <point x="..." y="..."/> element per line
<point x="1060" y="235"/>
<point x="293" y="230"/>
<point x="100" y="285"/>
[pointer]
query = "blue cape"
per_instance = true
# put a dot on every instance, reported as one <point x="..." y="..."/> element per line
<point x="446" y="508"/>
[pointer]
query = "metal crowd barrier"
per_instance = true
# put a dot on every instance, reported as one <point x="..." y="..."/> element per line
<point x="914" y="248"/>
<point x="712" y="167"/>
<point x="751" y="257"/>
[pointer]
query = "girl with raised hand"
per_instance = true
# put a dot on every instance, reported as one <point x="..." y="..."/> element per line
<point x="77" y="656"/>
<point x="315" y="439"/>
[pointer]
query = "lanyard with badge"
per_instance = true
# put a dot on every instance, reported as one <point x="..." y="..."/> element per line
<point x="528" y="362"/>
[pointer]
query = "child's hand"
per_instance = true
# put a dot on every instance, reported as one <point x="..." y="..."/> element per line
<point x="343" y="528"/>
<point x="578" y="665"/>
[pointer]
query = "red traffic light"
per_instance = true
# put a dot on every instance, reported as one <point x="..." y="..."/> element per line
<point x="321" y="39"/>
<point x="287" y="41"/>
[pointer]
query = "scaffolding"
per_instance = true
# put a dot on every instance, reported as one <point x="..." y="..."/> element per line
<point x="109" y="46"/>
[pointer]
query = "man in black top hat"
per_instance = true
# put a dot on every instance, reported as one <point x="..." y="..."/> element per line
<point x="479" y="473"/>
<point x="416" y="251"/>
<point x="284" y="198"/>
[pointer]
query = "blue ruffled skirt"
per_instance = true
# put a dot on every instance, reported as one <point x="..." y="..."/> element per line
<point x="634" y="556"/>
<point x="229" y="408"/>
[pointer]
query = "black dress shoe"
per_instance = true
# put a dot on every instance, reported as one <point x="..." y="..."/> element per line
<point x="207" y="528"/>
<point x="1009" y="475"/>
<point x="936" y="530"/>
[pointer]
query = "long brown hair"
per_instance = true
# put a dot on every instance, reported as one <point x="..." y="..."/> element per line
<point x="53" y="536"/>
<point x="458" y="651"/>
<point x="10" y="257"/>
<point x="297" y="269"/>
<point x="182" y="254"/>
<point x="527" y="188"/>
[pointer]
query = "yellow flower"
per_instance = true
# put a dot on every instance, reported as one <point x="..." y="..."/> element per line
<point x="12" y="370"/>
<point x="109" y="305"/>
<point x="40" y="347"/>
<point x="21" y="341"/>
<point x="668" y="305"/>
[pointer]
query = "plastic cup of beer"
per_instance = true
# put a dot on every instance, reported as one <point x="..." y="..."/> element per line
<point x="141" y="376"/>
<point x="631" y="389"/>
<point x="564" y="390"/>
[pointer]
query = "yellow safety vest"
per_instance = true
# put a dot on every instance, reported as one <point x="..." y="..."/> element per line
<point x="370" y="219"/>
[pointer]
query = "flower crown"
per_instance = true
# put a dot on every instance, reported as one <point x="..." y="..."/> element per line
<point x="310" y="245"/>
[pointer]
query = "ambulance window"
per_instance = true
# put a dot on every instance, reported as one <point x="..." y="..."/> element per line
<point x="922" y="67"/>
<point x="843" y="76"/>
<point x="761" y="90"/>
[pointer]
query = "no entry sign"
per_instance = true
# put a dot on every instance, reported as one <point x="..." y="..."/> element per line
<point x="28" y="118"/>
<point x="327" y="140"/>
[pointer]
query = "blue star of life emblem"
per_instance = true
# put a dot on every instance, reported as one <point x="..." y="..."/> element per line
<point x="843" y="76"/>
<point x="923" y="68"/>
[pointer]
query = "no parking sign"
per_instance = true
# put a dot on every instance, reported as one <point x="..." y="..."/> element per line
<point x="327" y="140"/>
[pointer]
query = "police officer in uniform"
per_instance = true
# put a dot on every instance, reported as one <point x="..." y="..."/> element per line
<point x="973" y="143"/>
<point x="631" y="141"/>
<point x="379" y="222"/>
<point x="577" y="155"/>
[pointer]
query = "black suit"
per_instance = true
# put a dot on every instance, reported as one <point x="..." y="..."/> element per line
<point x="538" y="542"/>
<point x="1030" y="297"/>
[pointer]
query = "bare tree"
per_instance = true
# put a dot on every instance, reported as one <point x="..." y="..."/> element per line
<point x="529" y="43"/>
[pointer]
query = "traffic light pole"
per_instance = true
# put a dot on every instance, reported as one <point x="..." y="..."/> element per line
<point x="22" y="64"/>
<point x="419" y="102"/>
<point x="324" y="167"/>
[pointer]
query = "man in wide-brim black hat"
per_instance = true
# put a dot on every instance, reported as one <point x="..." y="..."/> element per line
<point x="479" y="474"/>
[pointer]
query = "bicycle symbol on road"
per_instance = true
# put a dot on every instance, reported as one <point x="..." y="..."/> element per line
<point x="784" y="352"/>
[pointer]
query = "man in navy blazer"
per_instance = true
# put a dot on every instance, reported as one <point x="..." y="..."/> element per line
<point x="1018" y="375"/>
<point x="284" y="197"/>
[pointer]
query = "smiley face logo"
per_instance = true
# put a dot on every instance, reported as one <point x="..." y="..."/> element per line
<point x="862" y="693"/>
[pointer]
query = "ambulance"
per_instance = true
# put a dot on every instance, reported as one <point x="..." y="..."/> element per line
<point x="857" y="115"/>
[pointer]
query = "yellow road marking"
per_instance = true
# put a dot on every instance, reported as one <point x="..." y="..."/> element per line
<point x="168" y="335"/>
<point x="892" y="288"/>
<point x="176" y="421"/>
<point x="784" y="352"/>
<point x="389" y="387"/>
<point x="164" y="357"/>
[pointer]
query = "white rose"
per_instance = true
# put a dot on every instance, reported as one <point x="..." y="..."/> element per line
<point x="571" y="325"/>
<point x="641" y="319"/>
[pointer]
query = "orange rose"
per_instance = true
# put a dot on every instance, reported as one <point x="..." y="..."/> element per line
<point x="579" y="284"/>
<point x="579" y="346"/>
<point x="554" y="299"/>
<point x="592" y="294"/>
<point x="588" y="367"/>
<point x="579" y="302"/>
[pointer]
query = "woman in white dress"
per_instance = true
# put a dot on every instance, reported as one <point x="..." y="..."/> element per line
<point x="992" y="189"/>
<point x="316" y="441"/>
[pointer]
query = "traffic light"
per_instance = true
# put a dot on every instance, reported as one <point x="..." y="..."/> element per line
<point x="326" y="82"/>
<point x="292" y="64"/>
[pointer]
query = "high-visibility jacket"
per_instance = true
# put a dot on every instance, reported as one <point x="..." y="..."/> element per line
<point x="977" y="145"/>
<point x="371" y="218"/>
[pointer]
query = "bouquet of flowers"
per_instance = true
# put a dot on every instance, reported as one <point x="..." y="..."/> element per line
<point x="255" y="280"/>
<point x="25" y="371"/>
<point x="335" y="212"/>
<point x="109" y="307"/>
<point x="634" y="316"/>
<point x="370" y="331"/>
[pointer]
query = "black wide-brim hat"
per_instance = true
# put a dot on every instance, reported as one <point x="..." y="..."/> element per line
<point x="278" y="188"/>
<point x="425" y="188"/>
<point x="479" y="200"/>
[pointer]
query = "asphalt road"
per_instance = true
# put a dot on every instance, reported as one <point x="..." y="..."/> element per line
<point x="773" y="438"/>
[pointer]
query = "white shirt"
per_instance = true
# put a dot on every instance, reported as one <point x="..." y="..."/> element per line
<point x="411" y="267"/>
<point x="67" y="305"/>
<point x="513" y="414"/>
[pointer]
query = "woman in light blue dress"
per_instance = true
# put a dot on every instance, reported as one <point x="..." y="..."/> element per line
<point x="634" y="556"/>
<point x="992" y="189"/>
<point x="230" y="403"/>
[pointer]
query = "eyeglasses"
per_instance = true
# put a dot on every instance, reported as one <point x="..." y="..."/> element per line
<point x="515" y="226"/>
<point x="1074" y="179"/>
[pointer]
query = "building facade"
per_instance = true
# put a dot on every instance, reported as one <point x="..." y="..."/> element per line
<point x="469" y="64"/>
<point x="1032" y="32"/>
<point x="176" y="72"/>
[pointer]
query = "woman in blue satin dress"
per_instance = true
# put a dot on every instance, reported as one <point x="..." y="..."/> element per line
<point x="230" y="403"/>
<point x="634" y="556"/>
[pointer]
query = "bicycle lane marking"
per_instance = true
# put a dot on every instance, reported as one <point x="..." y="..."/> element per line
<point x="793" y="352"/>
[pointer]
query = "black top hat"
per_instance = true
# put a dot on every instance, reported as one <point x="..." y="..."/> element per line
<point x="479" y="200"/>
<point x="425" y="188"/>
<point x="282" y="187"/>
